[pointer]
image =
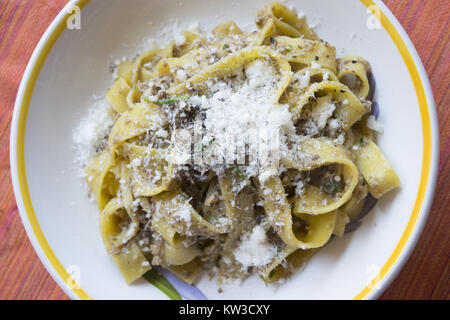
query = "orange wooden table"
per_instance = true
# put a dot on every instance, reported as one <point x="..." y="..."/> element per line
<point x="425" y="276"/>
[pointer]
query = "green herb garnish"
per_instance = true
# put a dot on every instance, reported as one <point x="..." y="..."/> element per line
<point x="210" y="144"/>
<point x="288" y="48"/>
<point x="168" y="100"/>
<point x="332" y="187"/>
<point x="361" y="141"/>
<point x="238" y="171"/>
<point x="226" y="46"/>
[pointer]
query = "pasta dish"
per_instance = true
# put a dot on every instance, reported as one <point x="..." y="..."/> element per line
<point x="237" y="153"/>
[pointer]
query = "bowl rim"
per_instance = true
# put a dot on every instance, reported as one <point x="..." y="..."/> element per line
<point x="404" y="247"/>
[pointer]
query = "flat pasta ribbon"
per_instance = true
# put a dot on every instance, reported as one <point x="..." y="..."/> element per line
<point x="322" y="153"/>
<point x="234" y="62"/>
<point x="118" y="230"/>
<point x="287" y="22"/>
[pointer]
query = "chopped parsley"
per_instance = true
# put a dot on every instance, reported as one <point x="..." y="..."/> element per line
<point x="238" y="171"/>
<point x="362" y="141"/>
<point x="332" y="187"/>
<point x="211" y="143"/>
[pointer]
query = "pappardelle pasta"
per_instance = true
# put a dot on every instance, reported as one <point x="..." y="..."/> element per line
<point x="237" y="153"/>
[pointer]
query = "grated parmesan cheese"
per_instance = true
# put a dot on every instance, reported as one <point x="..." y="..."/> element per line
<point x="236" y="112"/>
<point x="181" y="75"/>
<point x="303" y="79"/>
<point x="255" y="249"/>
<point x="91" y="134"/>
<point x="374" y="124"/>
<point x="315" y="65"/>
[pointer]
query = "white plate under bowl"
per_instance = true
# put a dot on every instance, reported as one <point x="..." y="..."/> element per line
<point x="69" y="67"/>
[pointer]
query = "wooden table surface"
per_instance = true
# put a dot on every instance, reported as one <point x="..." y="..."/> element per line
<point x="425" y="276"/>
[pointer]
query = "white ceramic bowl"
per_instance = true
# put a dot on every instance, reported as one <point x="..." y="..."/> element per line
<point x="69" y="67"/>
